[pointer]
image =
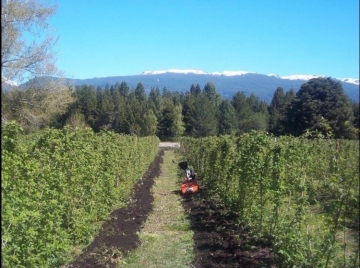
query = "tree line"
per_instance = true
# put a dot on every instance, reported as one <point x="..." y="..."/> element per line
<point x="320" y="106"/>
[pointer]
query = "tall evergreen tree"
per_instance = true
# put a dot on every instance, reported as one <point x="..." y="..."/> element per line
<point x="106" y="111"/>
<point x="277" y="110"/>
<point x="176" y="97"/>
<point x="140" y="93"/>
<point x="171" y="125"/>
<point x="321" y="105"/>
<point x="210" y="92"/>
<point x="188" y="106"/>
<point x="148" y="124"/>
<point x="290" y="95"/>
<point x="355" y="107"/>
<point x="87" y="102"/>
<point x="155" y="102"/>
<point x="134" y="112"/>
<point x="243" y="111"/>
<point x="254" y="102"/>
<point x="227" y="118"/>
<point x="99" y="96"/>
<point x="256" y="121"/>
<point x="119" y="103"/>
<point x="140" y="120"/>
<point x="182" y="98"/>
<point x="192" y="90"/>
<point x="203" y="116"/>
<point x="124" y="89"/>
<point x="195" y="90"/>
<point x="166" y="93"/>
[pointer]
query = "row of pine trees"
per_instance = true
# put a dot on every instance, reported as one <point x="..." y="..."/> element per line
<point x="320" y="106"/>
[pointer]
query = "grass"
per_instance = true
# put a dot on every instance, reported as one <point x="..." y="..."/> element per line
<point x="166" y="239"/>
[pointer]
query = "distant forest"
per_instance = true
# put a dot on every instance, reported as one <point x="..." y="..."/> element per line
<point x="320" y="107"/>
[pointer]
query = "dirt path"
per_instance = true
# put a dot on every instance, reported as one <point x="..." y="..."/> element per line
<point x="167" y="238"/>
<point x="118" y="235"/>
<point x="141" y="234"/>
<point x="220" y="241"/>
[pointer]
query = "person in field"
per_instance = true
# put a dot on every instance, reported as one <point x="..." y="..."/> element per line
<point x="190" y="175"/>
<point x="189" y="185"/>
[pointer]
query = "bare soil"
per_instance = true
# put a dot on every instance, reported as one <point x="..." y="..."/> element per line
<point x="220" y="241"/>
<point x="118" y="235"/>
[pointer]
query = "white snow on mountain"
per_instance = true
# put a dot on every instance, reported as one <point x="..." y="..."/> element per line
<point x="177" y="71"/>
<point x="301" y="77"/>
<point x="350" y="80"/>
<point x="230" y="73"/>
<point x="307" y="77"/>
<point x="234" y="73"/>
<point x="195" y="71"/>
<point x="274" y="75"/>
<point x="9" y="82"/>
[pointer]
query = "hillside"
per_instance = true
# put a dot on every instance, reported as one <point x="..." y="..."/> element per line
<point x="261" y="85"/>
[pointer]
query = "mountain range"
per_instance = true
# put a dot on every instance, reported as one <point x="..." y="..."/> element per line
<point x="227" y="83"/>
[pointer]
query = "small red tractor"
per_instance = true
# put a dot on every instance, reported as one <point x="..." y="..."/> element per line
<point x="190" y="185"/>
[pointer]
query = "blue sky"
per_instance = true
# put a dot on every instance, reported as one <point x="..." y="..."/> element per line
<point x="102" y="38"/>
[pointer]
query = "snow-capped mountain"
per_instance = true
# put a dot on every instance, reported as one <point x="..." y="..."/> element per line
<point x="8" y="82"/>
<point x="227" y="83"/>
<point x="350" y="80"/>
<point x="236" y="73"/>
<point x="175" y="71"/>
<point x="274" y="75"/>
<point x="307" y="77"/>
<point x="301" y="77"/>
<point x="195" y="71"/>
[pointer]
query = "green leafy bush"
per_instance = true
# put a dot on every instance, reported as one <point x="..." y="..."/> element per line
<point x="301" y="192"/>
<point x="56" y="184"/>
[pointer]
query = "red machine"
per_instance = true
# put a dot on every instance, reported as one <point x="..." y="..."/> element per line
<point x="189" y="185"/>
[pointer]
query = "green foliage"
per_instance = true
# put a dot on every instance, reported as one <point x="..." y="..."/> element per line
<point x="171" y="125"/>
<point x="124" y="89"/>
<point x="140" y="93"/>
<point x="302" y="193"/>
<point x="356" y="122"/>
<point x="87" y="103"/>
<point x="36" y="107"/>
<point x="186" y="112"/>
<point x="251" y="113"/>
<point x="203" y="117"/>
<point x="76" y="119"/>
<point x="227" y="118"/>
<point x="242" y="109"/>
<point x="321" y="105"/>
<point x="155" y="102"/>
<point x="149" y="126"/>
<point x="210" y="92"/>
<point x="195" y="90"/>
<point x="105" y="109"/>
<point x="276" y="111"/>
<point x="139" y="118"/>
<point x="57" y="184"/>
